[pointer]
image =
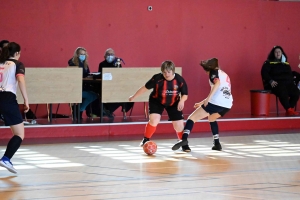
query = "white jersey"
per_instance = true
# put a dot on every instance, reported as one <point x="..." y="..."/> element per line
<point x="8" y="75"/>
<point x="222" y="97"/>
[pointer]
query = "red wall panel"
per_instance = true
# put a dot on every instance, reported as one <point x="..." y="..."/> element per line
<point x="239" y="33"/>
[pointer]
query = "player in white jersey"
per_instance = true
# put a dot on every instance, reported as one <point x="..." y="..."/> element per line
<point x="217" y="103"/>
<point x="11" y="76"/>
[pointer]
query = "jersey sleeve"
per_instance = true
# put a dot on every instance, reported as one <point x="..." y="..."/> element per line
<point x="151" y="83"/>
<point x="20" y="69"/>
<point x="184" y="88"/>
<point x="213" y="75"/>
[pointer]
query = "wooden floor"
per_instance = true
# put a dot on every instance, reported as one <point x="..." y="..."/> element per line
<point x="249" y="167"/>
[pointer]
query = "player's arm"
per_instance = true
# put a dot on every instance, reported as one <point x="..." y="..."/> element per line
<point x="212" y="91"/>
<point x="139" y="92"/>
<point x="22" y="86"/>
<point x="181" y="102"/>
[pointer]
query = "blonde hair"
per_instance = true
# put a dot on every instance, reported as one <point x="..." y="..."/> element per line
<point x="75" y="58"/>
<point x="167" y="65"/>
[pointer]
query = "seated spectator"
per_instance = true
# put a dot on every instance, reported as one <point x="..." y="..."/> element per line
<point x="80" y="58"/>
<point x="110" y="60"/>
<point x="278" y="77"/>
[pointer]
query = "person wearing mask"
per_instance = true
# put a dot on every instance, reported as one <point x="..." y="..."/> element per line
<point x="110" y="60"/>
<point x="12" y="75"/>
<point x="278" y="77"/>
<point x="80" y="59"/>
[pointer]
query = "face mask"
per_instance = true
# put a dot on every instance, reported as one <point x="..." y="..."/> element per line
<point x="110" y="59"/>
<point x="283" y="58"/>
<point x="82" y="58"/>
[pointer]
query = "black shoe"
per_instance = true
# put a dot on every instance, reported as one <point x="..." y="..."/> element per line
<point x="217" y="147"/>
<point x="186" y="148"/>
<point x="1" y="117"/>
<point x="144" y="141"/>
<point x="179" y="144"/>
<point x="108" y="114"/>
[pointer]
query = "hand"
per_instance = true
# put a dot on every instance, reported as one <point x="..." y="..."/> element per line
<point x="299" y="65"/>
<point x="274" y="84"/>
<point x="26" y="107"/>
<point x="205" y="102"/>
<point x="131" y="98"/>
<point x="197" y="105"/>
<point x="180" y="106"/>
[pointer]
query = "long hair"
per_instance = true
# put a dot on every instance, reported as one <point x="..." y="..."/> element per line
<point x="271" y="56"/>
<point x="9" y="51"/>
<point x="75" y="58"/>
<point x="210" y="65"/>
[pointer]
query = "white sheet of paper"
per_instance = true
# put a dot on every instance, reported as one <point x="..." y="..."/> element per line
<point x="107" y="76"/>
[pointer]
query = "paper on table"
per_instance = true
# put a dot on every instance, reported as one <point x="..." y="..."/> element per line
<point x="107" y="76"/>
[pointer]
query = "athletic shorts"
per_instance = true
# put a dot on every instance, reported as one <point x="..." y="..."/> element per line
<point x="173" y="113"/>
<point x="9" y="108"/>
<point x="211" y="109"/>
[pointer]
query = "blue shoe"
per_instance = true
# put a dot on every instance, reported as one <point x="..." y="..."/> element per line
<point x="8" y="165"/>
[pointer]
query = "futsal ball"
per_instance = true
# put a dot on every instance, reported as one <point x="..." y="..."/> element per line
<point x="150" y="147"/>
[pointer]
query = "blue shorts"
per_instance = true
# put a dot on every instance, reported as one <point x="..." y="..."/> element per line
<point x="211" y="109"/>
<point x="9" y="108"/>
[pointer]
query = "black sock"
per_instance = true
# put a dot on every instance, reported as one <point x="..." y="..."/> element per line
<point x="12" y="146"/>
<point x="187" y="129"/>
<point x="215" y="131"/>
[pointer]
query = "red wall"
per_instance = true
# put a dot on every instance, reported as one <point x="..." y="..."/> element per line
<point x="239" y="33"/>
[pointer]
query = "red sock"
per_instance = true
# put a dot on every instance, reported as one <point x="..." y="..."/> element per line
<point x="179" y="135"/>
<point x="149" y="130"/>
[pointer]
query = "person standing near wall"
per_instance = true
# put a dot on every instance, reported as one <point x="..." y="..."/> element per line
<point x="169" y="93"/>
<point x="216" y="105"/>
<point x="278" y="77"/>
<point x="12" y="74"/>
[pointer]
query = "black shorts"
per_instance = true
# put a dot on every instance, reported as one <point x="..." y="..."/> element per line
<point x="173" y="113"/>
<point x="211" y="109"/>
<point x="9" y="108"/>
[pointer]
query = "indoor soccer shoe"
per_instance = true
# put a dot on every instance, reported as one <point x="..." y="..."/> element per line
<point x="144" y="141"/>
<point x="179" y="144"/>
<point x="186" y="148"/>
<point x="217" y="147"/>
<point x="8" y="165"/>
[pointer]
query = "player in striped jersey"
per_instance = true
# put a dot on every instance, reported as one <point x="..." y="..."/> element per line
<point x="169" y="93"/>
<point x="217" y="103"/>
<point x="11" y="75"/>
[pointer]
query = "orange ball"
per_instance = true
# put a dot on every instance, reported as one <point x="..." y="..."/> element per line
<point x="150" y="147"/>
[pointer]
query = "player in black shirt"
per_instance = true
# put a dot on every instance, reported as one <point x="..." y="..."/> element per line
<point x="169" y="92"/>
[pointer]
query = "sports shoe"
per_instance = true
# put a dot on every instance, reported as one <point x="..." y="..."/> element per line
<point x="179" y="144"/>
<point x="291" y="112"/>
<point x="217" y="147"/>
<point x="8" y="165"/>
<point x="144" y="141"/>
<point x="186" y="148"/>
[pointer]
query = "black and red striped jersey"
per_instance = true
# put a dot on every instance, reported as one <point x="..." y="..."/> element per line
<point x="167" y="92"/>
